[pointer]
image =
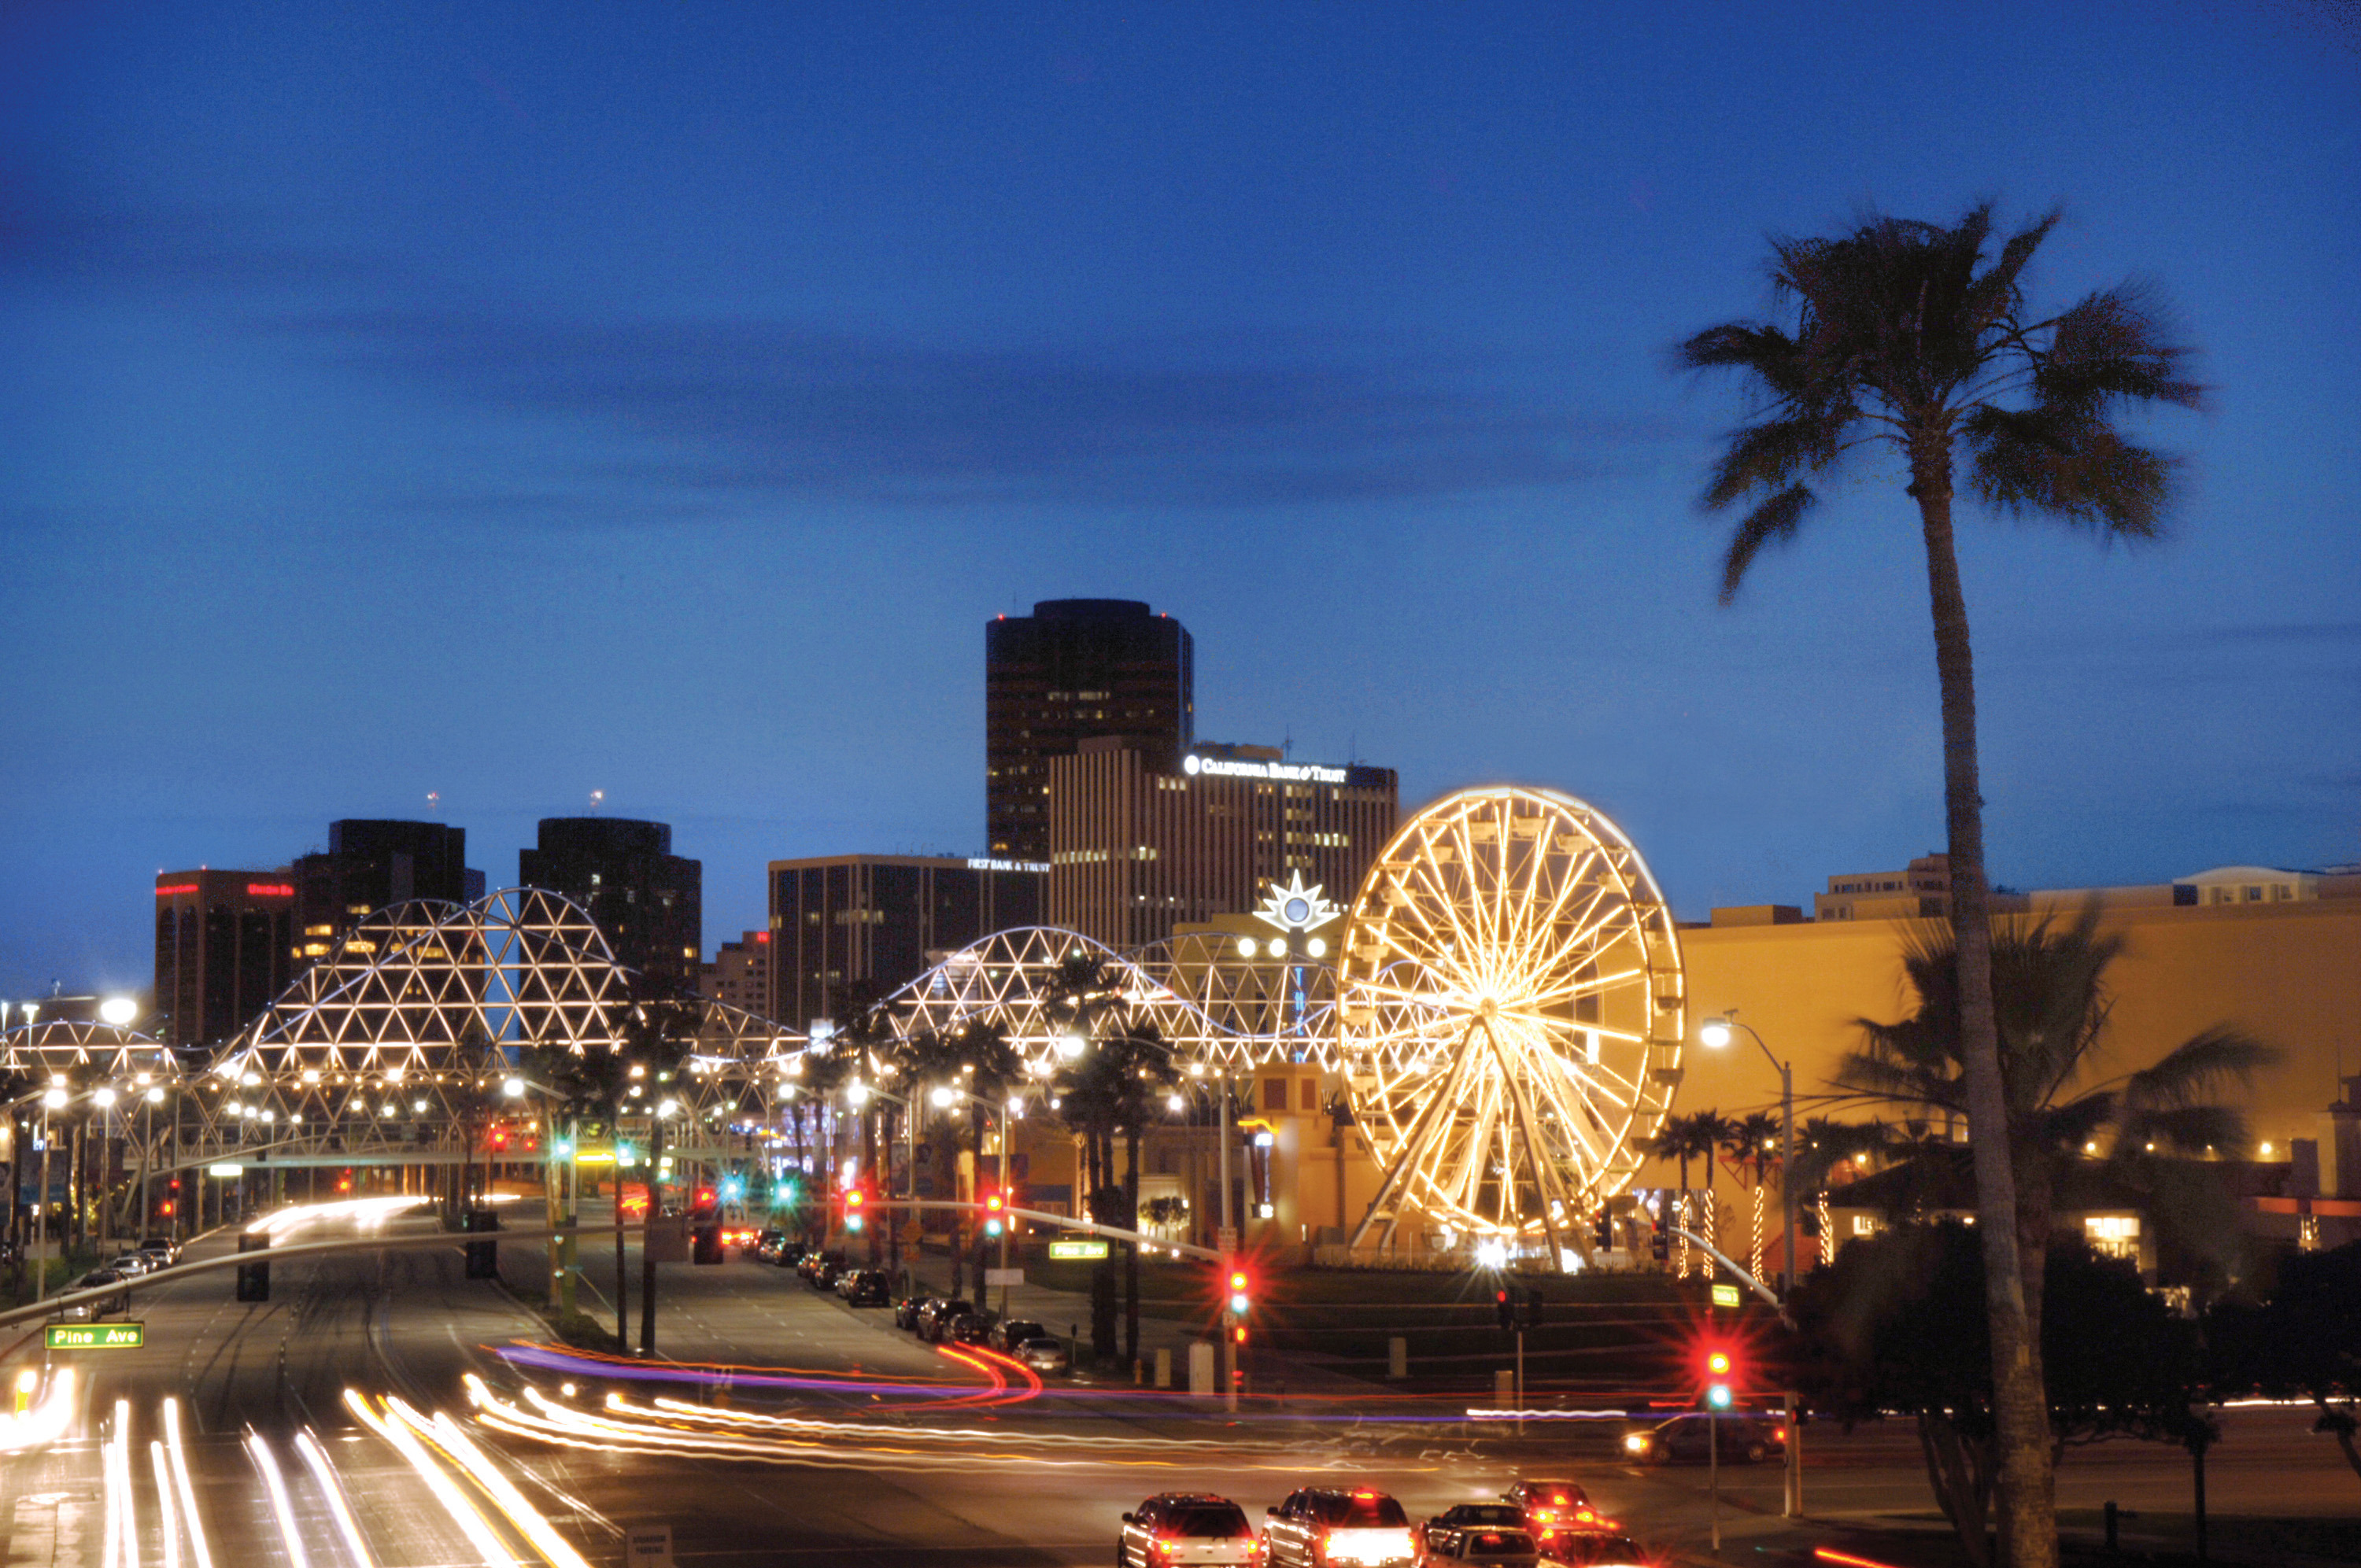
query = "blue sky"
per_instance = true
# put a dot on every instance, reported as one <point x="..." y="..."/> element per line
<point x="511" y="402"/>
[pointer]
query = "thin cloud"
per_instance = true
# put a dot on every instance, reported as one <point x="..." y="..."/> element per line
<point x="759" y="405"/>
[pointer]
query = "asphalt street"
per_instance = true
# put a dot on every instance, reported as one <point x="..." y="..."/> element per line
<point x="782" y="1426"/>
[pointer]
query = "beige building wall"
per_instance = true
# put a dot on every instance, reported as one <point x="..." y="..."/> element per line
<point x="2289" y="973"/>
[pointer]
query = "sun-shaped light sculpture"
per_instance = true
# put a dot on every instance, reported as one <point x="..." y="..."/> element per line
<point x="1509" y="999"/>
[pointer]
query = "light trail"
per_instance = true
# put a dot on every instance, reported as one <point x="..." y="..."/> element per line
<point x="676" y="1428"/>
<point x="168" y="1517"/>
<point x="446" y="1433"/>
<point x="372" y="1211"/>
<point x="44" y="1423"/>
<point x="590" y="1364"/>
<point x="324" y="1476"/>
<point x="281" y="1506"/>
<point x="465" y="1514"/>
<point x="188" y="1493"/>
<point x="119" y="1542"/>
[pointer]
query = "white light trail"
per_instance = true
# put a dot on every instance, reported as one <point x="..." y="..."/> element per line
<point x="465" y="1514"/>
<point x="44" y="1423"/>
<point x="446" y="1433"/>
<point x="280" y="1505"/>
<point x="202" y="1549"/>
<point x="325" y="1476"/>
<point x="167" y="1515"/>
<point x="370" y="1211"/>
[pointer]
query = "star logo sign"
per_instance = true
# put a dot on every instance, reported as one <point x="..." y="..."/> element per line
<point x="1295" y="907"/>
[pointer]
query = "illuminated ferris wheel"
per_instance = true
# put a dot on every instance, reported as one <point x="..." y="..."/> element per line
<point x="1511" y="1015"/>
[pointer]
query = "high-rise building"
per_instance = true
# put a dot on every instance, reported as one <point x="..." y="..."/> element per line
<point x="370" y="863"/>
<point x="225" y="946"/>
<point x="855" y="927"/>
<point x="648" y="901"/>
<point x="739" y="974"/>
<point x="1138" y="844"/>
<point x="1076" y="670"/>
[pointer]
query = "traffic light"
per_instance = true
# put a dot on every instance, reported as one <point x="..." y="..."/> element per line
<point x="856" y="1203"/>
<point x="1719" y="1367"/>
<point x="1241" y="1296"/>
<point x="994" y="1206"/>
<point x="1504" y="1308"/>
<point x="1533" y="1303"/>
<point x="1602" y="1231"/>
<point x="1663" y="1244"/>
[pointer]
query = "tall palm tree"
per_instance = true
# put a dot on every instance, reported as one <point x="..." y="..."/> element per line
<point x="2051" y="1004"/>
<point x="1906" y="336"/>
<point x="1685" y="1139"/>
<point x="1750" y="1144"/>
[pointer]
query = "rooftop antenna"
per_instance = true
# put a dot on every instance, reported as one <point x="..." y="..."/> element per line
<point x="434" y="802"/>
<point x="598" y="799"/>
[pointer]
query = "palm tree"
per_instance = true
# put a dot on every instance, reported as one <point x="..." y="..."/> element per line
<point x="593" y="1082"/>
<point x="1750" y="1144"/>
<point x="1905" y="336"/>
<point x="1685" y="1139"/>
<point x="2051" y="1004"/>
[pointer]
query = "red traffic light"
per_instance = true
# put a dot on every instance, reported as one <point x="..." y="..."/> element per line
<point x="994" y="1203"/>
<point x="1241" y="1293"/>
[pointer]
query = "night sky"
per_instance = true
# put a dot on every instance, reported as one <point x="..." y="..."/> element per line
<point x="512" y="402"/>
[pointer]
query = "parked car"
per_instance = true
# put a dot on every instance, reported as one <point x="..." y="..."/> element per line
<point x="934" y="1318"/>
<point x="1009" y="1332"/>
<point x="1319" y="1525"/>
<point x="1741" y="1438"/>
<point x="131" y="1265"/>
<point x="866" y="1288"/>
<point x="767" y="1245"/>
<point x="905" y="1311"/>
<point x="1186" y="1527"/>
<point x="1044" y="1354"/>
<point x="1494" y="1545"/>
<point x="159" y="1252"/>
<point x="971" y="1328"/>
<point x="822" y="1274"/>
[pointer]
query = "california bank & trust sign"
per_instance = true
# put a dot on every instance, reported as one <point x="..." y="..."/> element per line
<point x="1290" y="772"/>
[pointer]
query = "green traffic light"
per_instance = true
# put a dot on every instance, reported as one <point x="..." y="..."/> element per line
<point x="1717" y="1396"/>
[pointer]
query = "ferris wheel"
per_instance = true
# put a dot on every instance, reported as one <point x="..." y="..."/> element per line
<point x="1510" y="1005"/>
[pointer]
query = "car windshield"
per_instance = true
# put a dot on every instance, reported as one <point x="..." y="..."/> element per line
<point x="1018" y="1333"/>
<point x="1485" y="1514"/>
<point x="1206" y="1521"/>
<point x="1597" y="1549"/>
<point x="1366" y="1510"/>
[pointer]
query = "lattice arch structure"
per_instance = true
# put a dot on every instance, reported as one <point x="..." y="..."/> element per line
<point x="402" y="1030"/>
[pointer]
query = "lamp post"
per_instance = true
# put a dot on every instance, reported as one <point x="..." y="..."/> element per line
<point x="1715" y="1034"/>
<point x="857" y="1094"/>
<point x="946" y="1095"/>
<point x="562" y="1255"/>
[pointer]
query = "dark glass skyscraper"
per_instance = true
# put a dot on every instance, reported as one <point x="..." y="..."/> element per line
<point x="648" y="901"/>
<point x="1071" y="671"/>
<point x="373" y="863"/>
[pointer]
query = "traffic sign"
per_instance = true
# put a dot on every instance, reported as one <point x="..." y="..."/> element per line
<point x="98" y="1336"/>
<point x="1070" y="1251"/>
<point x="1004" y="1277"/>
<point x="648" y="1546"/>
<point x="1725" y="1296"/>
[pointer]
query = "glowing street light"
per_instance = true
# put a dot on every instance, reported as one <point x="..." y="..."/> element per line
<point x="117" y="1011"/>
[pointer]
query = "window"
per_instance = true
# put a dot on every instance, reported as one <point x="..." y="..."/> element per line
<point x="1274" y="1094"/>
<point x="1310" y="1098"/>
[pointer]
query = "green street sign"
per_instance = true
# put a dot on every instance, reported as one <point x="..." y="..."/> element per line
<point x="1725" y="1296"/>
<point x="98" y="1336"/>
<point x="1072" y="1251"/>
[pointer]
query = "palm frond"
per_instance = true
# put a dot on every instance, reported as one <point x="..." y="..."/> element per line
<point x="1769" y="454"/>
<point x="2201" y="1065"/>
<point x="2068" y="463"/>
<point x="2114" y="346"/>
<point x="1774" y="520"/>
<point x="2185" y="1129"/>
<point x="1996" y="294"/>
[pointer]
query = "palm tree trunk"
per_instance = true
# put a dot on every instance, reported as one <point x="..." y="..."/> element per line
<point x="647" y="1238"/>
<point x="622" y="1274"/>
<point x="2029" y="1503"/>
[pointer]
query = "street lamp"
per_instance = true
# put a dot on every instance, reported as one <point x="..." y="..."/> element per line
<point x="116" y="1012"/>
<point x="857" y="1094"/>
<point x="944" y="1096"/>
<point x="1715" y="1034"/>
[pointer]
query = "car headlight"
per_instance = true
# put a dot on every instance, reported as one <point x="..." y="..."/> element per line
<point x="1637" y="1442"/>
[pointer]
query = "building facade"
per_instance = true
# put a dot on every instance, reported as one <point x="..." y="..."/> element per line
<point x="847" y="928"/>
<point x="1139" y="846"/>
<point x="647" y="901"/>
<point x="1075" y="670"/>
<point x="739" y="974"/>
<point x="225" y="946"/>
<point x="370" y="863"/>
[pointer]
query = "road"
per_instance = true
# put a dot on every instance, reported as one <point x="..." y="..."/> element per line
<point x="907" y="1455"/>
